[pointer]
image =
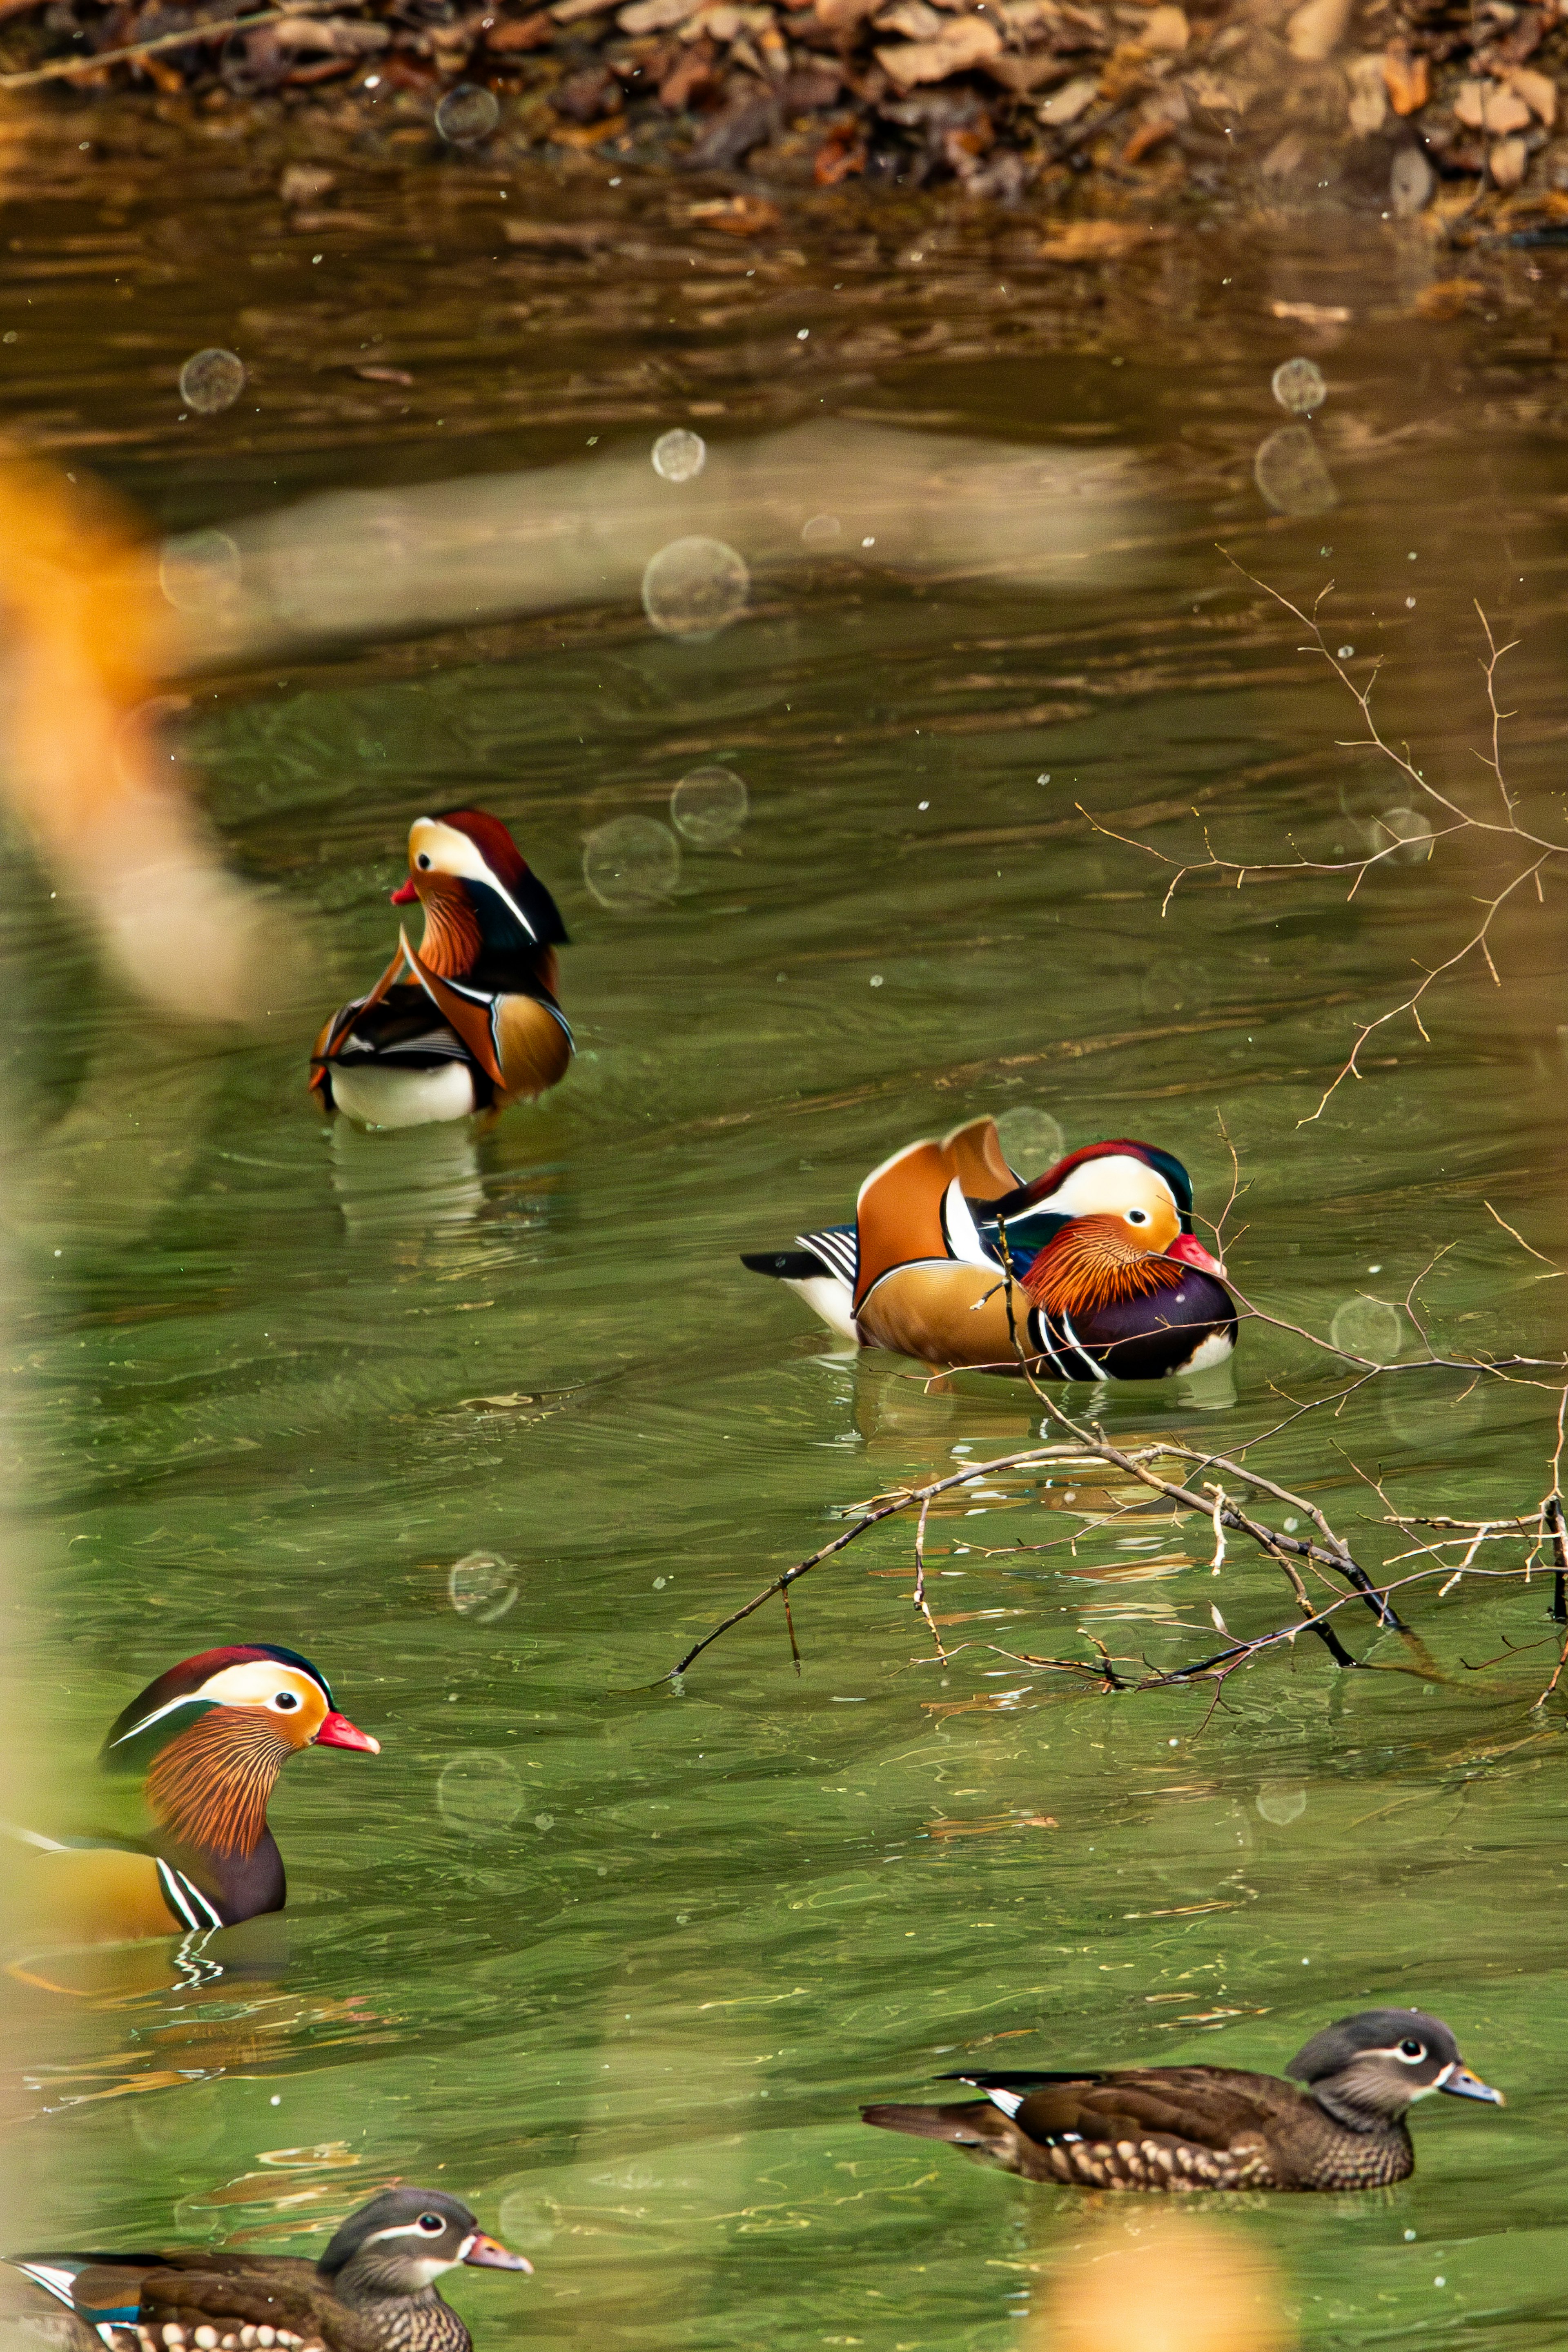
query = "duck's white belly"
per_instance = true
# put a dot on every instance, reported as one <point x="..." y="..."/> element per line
<point x="388" y="1098"/>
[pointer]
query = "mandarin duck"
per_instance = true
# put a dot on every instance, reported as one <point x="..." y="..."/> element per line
<point x="476" y="1025"/>
<point x="210" y="1736"/>
<point x="1108" y="1280"/>
<point x="1186" y="2128"/>
<point x="373" y="2289"/>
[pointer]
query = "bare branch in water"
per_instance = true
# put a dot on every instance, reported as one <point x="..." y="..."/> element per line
<point x="1456" y="819"/>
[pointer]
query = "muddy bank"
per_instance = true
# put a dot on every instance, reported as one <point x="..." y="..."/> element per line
<point x="1416" y="109"/>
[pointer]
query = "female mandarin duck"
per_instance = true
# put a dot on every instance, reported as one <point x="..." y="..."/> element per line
<point x="211" y="1737"/>
<point x="373" y="2289"/>
<point x="476" y="1025"/>
<point x="1108" y="1279"/>
<point x="1186" y="2128"/>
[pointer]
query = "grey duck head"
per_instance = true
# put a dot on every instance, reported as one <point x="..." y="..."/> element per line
<point x="403" y="2240"/>
<point x="1368" y="2069"/>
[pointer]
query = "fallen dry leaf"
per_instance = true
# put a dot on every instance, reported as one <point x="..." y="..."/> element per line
<point x="1407" y="79"/>
<point x="1369" y="96"/>
<point x="1509" y="159"/>
<point x="385" y="375"/>
<point x="587" y="134"/>
<point x="1026" y="73"/>
<point x="744" y="215"/>
<point x="1312" y="314"/>
<point x="838" y="15"/>
<point x="969" y="42"/>
<point x="1316" y="31"/>
<point x="1094" y="240"/>
<point x="1065" y="105"/>
<point x="1447" y="298"/>
<point x="915" y="19"/>
<point x="1538" y="90"/>
<point x="1166" y="29"/>
<point x="1147" y="135"/>
<point x="306" y="184"/>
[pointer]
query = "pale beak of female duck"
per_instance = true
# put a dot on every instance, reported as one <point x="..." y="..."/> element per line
<point x="337" y="1731"/>
<point x="1463" y="2085"/>
<point x="1190" y="1252"/>
<point x="488" y="2254"/>
<point x="406" y="894"/>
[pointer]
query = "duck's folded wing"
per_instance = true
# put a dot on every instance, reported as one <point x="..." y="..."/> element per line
<point x="90" y="1893"/>
<point x="1210" y="2106"/>
<point x="239" y="2306"/>
<point x="912" y="1209"/>
<point x="975" y="1152"/>
<point x="470" y="1012"/>
<point x="330" y="1044"/>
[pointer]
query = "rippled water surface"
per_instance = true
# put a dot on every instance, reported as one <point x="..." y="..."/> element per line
<point x="493" y="1424"/>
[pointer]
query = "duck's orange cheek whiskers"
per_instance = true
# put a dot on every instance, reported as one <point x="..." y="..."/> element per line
<point x="1190" y="1251"/>
<point x="337" y="1731"/>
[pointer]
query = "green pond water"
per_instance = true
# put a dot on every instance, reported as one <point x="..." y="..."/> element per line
<point x="620" y="1962"/>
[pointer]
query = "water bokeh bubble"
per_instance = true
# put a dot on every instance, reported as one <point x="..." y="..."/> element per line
<point x="1280" y="1804"/>
<point x="710" y="806"/>
<point x="186" y="2119"/>
<point x="199" y="572"/>
<point x="821" y="530"/>
<point x="481" y="1793"/>
<point x="481" y="1585"/>
<point x="466" y="113"/>
<point x="680" y="456"/>
<point x="633" y="861"/>
<point x="1291" y="474"/>
<point x="212" y="379"/>
<point x="1411" y="830"/>
<point x="1299" y="386"/>
<point x="1032" y="1140"/>
<point x="1369" y="1327"/>
<point x="695" y="587"/>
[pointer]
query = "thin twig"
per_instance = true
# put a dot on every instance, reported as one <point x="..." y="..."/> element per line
<point x="211" y="28"/>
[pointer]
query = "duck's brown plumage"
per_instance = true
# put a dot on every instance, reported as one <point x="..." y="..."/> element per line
<point x="373" y="2289"/>
<point x="1180" y="2128"/>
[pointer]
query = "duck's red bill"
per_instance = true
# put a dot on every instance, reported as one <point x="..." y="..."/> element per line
<point x="489" y="2254"/>
<point x="337" y="1731"/>
<point x="406" y="894"/>
<point x="1190" y="1252"/>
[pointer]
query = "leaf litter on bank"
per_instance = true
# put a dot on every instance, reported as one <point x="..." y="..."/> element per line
<point x="1392" y="104"/>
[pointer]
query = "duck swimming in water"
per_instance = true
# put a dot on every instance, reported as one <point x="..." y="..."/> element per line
<point x="210" y="1736"/>
<point x="1176" y="2129"/>
<point x="371" y="2290"/>
<point x="475" y="1025"/>
<point x="1107" y="1280"/>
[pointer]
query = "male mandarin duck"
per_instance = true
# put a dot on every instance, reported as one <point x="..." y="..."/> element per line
<point x="210" y="1736"/>
<point x="1186" y="2128"/>
<point x="476" y="1025"/>
<point x="1108" y="1279"/>
<point x="373" y="2289"/>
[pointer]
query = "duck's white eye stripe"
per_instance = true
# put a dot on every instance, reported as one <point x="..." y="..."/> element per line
<point x="403" y="2230"/>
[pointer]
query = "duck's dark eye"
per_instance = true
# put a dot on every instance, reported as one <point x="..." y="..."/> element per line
<point x="422" y="861"/>
<point x="1412" y="2050"/>
<point x="285" y="1702"/>
<point x="432" y="2224"/>
<point x="1137" y="1216"/>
